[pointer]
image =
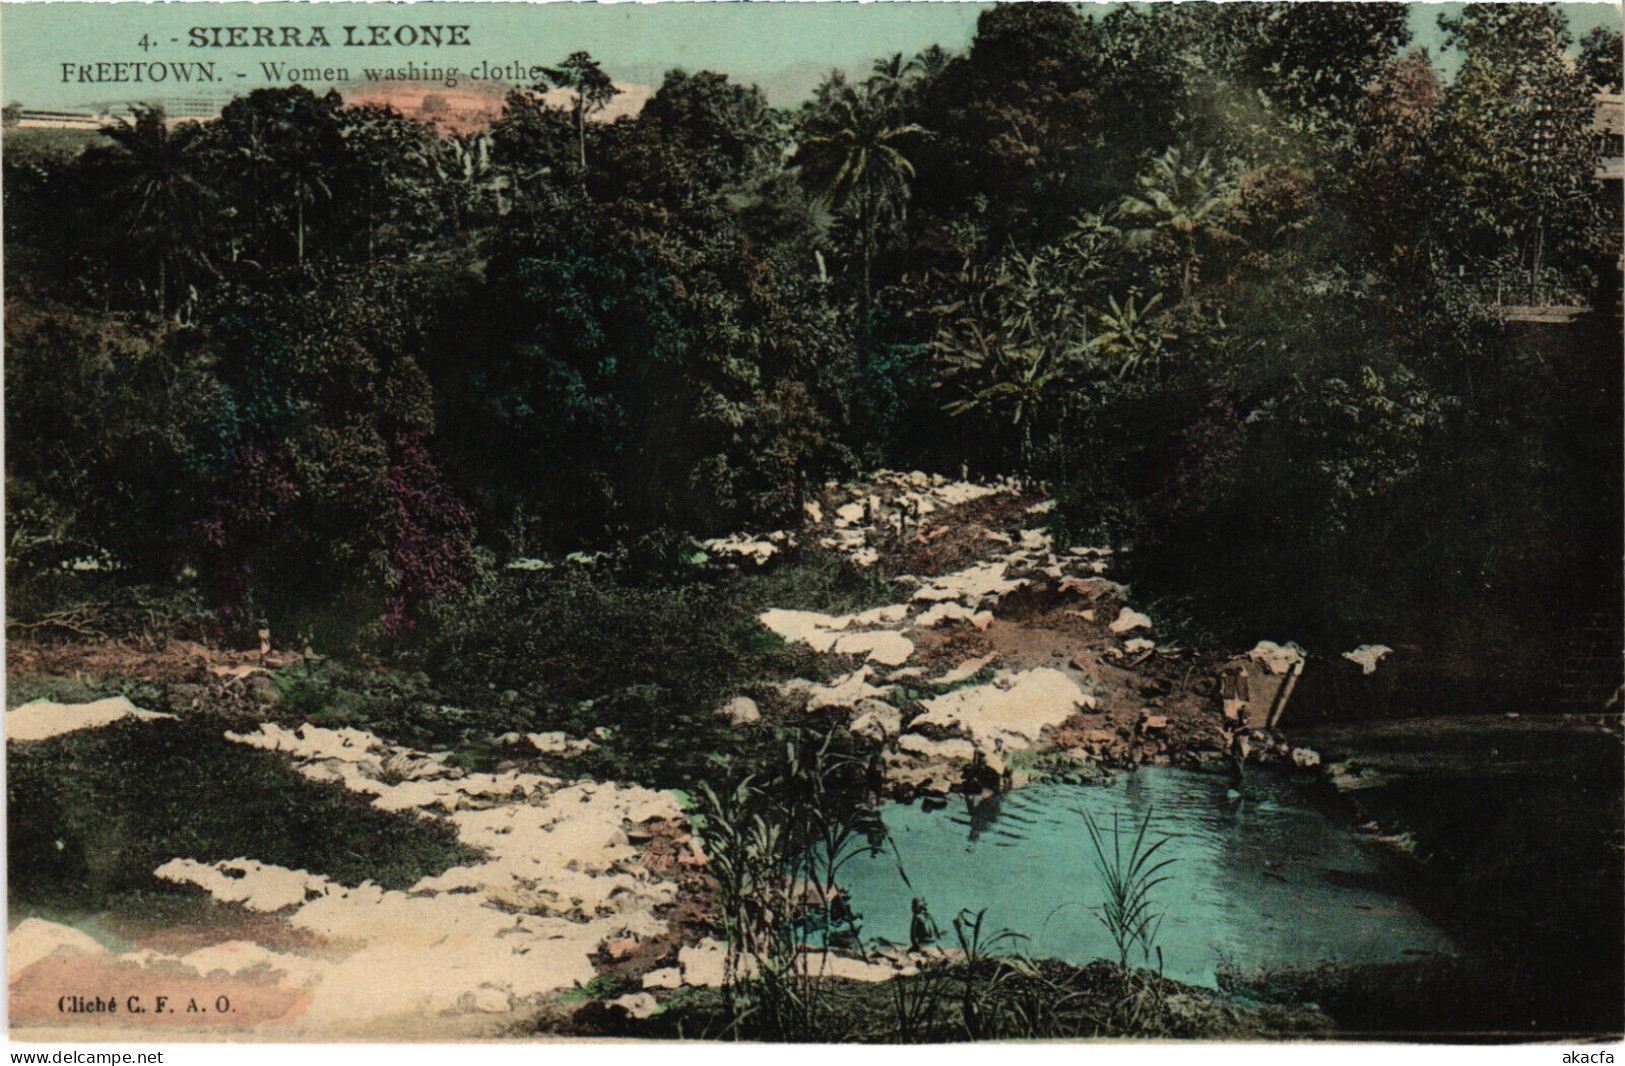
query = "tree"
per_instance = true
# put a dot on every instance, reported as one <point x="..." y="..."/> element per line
<point x="593" y="89"/>
<point x="1513" y="146"/>
<point x="851" y="156"/>
<point x="1391" y="187"/>
<point x="1015" y="134"/>
<point x="698" y="136"/>
<point x="475" y="186"/>
<point x="280" y="150"/>
<point x="1022" y="344"/>
<point x="1601" y="59"/>
<point x="1185" y="199"/>
<point x="1313" y="60"/>
<point x="160" y="195"/>
<point x="108" y="413"/>
<point x="390" y="186"/>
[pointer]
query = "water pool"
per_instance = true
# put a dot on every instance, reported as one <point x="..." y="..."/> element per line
<point x="1261" y="877"/>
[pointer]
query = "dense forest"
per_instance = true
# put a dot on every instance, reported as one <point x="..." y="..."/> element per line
<point x="1227" y="280"/>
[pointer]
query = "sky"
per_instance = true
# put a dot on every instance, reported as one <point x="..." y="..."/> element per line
<point x="786" y="48"/>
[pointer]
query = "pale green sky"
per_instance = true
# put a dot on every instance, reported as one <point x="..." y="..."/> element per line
<point x="784" y="47"/>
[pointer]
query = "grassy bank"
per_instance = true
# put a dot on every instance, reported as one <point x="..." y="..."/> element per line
<point x="91" y="814"/>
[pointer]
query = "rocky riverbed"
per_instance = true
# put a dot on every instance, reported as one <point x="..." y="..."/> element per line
<point x="1003" y="657"/>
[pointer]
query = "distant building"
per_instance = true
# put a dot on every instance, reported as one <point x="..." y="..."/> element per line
<point x="205" y="107"/>
<point x="32" y="119"/>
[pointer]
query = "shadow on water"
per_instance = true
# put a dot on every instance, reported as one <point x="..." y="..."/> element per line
<point x="1518" y="834"/>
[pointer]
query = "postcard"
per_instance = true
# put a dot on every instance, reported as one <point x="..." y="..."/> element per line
<point x="813" y="523"/>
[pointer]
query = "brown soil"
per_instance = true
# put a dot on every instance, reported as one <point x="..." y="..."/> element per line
<point x="1042" y="626"/>
<point x="227" y="921"/>
<point x="957" y="538"/>
<point x="940" y="650"/>
<point x="173" y="661"/>
<point x="257" y="1001"/>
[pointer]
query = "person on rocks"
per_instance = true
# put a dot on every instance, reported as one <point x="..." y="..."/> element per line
<point x="922" y="928"/>
<point x="981" y="778"/>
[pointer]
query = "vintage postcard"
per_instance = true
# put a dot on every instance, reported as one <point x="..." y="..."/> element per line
<point x="813" y="522"/>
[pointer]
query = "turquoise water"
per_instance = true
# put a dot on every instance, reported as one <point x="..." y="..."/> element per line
<point x="1261" y="877"/>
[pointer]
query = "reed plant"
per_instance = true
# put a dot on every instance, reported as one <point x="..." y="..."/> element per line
<point x="1130" y="877"/>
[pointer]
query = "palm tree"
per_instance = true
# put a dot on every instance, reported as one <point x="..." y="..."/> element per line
<point x="160" y="190"/>
<point x="593" y="89"/>
<point x="291" y="143"/>
<point x="851" y="157"/>
<point x="1188" y="200"/>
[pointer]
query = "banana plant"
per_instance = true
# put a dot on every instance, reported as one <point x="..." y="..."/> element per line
<point x="1127" y="334"/>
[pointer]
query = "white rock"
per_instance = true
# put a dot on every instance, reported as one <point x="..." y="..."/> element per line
<point x="1368" y="656"/>
<point x="637" y="1004"/>
<point x="808" y="627"/>
<point x="529" y="564"/>
<point x="312" y="742"/>
<point x="1014" y="710"/>
<point x="972" y="586"/>
<point x="947" y="611"/>
<point x="670" y="977"/>
<point x="885" y="646"/>
<point x="879" y="616"/>
<point x="877" y="721"/>
<point x="42" y="719"/>
<point x="488" y="1000"/>
<point x="743" y="547"/>
<point x="741" y="710"/>
<point x="1128" y="620"/>
<point x="703" y="964"/>
<point x="846" y="691"/>
<point x="815" y="513"/>
<point x="35" y="939"/>
<point x="559" y="879"/>
<point x="1277" y="658"/>
<point x="257" y="886"/>
<point x="829" y="964"/>
<point x="554" y="743"/>
<point x="241" y="956"/>
<point x="965" y="670"/>
<point x="954" y="493"/>
<point x="950" y="750"/>
<point x="1135" y="645"/>
<point x="1035" y="540"/>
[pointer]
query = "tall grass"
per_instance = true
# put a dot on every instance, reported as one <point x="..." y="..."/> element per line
<point x="1129" y="877"/>
<point x="778" y="841"/>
